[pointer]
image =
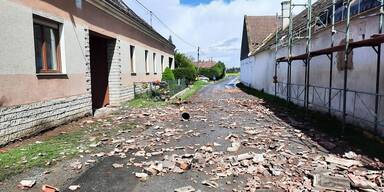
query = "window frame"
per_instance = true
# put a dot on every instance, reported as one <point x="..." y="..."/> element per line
<point x="146" y="53"/>
<point x="44" y="23"/>
<point x="154" y="63"/>
<point x="162" y="63"/>
<point x="132" y="51"/>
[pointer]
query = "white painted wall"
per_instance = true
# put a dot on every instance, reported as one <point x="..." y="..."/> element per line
<point x="257" y="71"/>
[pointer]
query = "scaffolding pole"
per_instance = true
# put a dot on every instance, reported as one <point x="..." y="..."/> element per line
<point x="378" y="67"/>
<point x="333" y="31"/>
<point x="308" y="52"/>
<point x="346" y="56"/>
<point x="290" y="41"/>
<point x="276" y="49"/>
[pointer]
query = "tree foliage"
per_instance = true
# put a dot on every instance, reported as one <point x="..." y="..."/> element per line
<point x="215" y="72"/>
<point x="184" y="68"/>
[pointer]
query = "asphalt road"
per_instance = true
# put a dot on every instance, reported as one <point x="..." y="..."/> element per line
<point x="292" y="152"/>
<point x="104" y="178"/>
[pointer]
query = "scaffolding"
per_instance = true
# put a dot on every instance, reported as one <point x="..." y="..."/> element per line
<point x="374" y="41"/>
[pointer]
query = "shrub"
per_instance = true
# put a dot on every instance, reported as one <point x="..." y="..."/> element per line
<point x="168" y="75"/>
<point x="186" y="73"/>
<point x="217" y="71"/>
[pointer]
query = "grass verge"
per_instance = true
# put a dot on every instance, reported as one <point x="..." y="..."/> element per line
<point x="368" y="144"/>
<point x="232" y="74"/>
<point x="42" y="154"/>
<point x="56" y="148"/>
<point x="196" y="86"/>
<point x="145" y="103"/>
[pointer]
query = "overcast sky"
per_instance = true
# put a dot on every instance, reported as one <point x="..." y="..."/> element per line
<point x="214" y="25"/>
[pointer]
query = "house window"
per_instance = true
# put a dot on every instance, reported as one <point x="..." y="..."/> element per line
<point x="162" y="63"/>
<point x="146" y="62"/>
<point x="154" y="63"/>
<point x="47" y="45"/>
<point x="170" y="62"/>
<point x="132" y="58"/>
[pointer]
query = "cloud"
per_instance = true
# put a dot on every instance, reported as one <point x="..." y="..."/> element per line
<point x="216" y="27"/>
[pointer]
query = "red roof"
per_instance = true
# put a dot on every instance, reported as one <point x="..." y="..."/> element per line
<point x="205" y="64"/>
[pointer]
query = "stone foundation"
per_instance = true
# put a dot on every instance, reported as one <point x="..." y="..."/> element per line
<point x="25" y="120"/>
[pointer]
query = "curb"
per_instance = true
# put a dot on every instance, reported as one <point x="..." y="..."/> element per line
<point x="179" y="93"/>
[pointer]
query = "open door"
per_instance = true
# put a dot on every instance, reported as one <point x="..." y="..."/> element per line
<point x="99" y="70"/>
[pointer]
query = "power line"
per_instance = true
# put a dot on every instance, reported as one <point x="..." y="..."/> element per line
<point x="165" y="25"/>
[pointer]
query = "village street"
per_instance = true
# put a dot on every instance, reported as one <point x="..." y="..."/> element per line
<point x="232" y="142"/>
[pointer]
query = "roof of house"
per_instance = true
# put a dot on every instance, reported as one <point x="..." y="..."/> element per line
<point x="205" y="64"/>
<point x="255" y="30"/>
<point x="299" y="24"/>
<point x="119" y="4"/>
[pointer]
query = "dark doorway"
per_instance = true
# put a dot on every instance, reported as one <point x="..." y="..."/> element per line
<point x="99" y="70"/>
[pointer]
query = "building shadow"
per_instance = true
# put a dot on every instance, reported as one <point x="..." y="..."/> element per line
<point x="322" y="128"/>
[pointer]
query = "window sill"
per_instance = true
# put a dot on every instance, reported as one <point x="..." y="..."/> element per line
<point x="52" y="76"/>
<point x="133" y="74"/>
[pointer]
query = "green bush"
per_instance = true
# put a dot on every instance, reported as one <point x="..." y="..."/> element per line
<point x="217" y="71"/>
<point x="186" y="73"/>
<point x="167" y="75"/>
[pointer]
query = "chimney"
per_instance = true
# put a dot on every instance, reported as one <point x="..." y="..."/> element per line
<point x="285" y="6"/>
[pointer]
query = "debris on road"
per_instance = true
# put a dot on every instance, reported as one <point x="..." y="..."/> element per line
<point x="325" y="182"/>
<point x="25" y="184"/>
<point x="210" y="184"/>
<point x="185" y="189"/>
<point x="48" y="188"/>
<point x="234" y="142"/>
<point x="341" y="161"/>
<point x="74" y="187"/>
<point x="117" y="165"/>
<point x="141" y="176"/>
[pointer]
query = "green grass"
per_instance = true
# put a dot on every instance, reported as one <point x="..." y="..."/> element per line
<point x="196" y="86"/>
<point x="145" y="101"/>
<point x="61" y="147"/>
<point x="370" y="145"/>
<point x="42" y="154"/>
<point x="233" y="74"/>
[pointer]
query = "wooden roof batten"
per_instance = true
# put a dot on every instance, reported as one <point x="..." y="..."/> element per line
<point x="375" y="40"/>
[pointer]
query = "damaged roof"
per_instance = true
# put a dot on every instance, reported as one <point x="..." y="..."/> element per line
<point x="255" y="30"/>
<point x="299" y="24"/>
<point x="319" y="8"/>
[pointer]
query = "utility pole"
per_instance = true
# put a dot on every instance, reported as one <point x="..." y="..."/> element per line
<point x="150" y="17"/>
<point x="198" y="54"/>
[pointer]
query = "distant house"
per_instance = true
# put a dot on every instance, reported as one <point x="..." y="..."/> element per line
<point x="255" y="30"/>
<point x="61" y="60"/>
<point x="205" y="64"/>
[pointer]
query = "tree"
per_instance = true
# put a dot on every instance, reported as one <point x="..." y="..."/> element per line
<point x="184" y="68"/>
<point x="215" y="72"/>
